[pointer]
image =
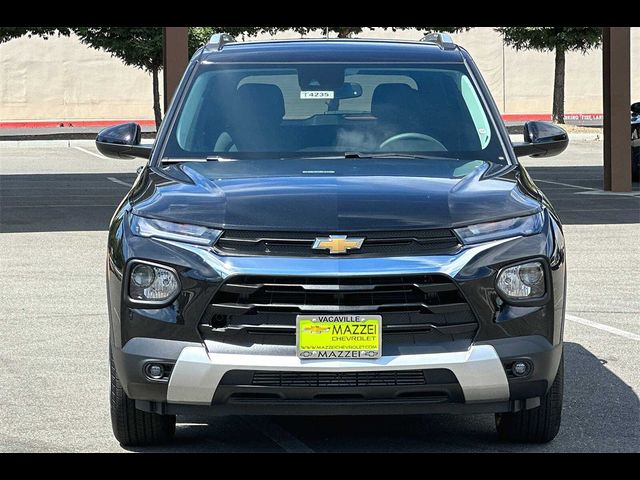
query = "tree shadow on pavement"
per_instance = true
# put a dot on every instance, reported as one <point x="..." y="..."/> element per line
<point x="601" y="414"/>
<point x="86" y="202"/>
<point x="60" y="202"/>
<point x="576" y="193"/>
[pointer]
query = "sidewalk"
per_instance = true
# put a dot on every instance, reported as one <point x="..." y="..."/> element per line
<point x="60" y="133"/>
<point x="89" y="133"/>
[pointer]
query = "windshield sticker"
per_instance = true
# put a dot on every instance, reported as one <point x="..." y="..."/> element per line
<point x="316" y="94"/>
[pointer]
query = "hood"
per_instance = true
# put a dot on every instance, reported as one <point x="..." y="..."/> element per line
<point x="331" y="195"/>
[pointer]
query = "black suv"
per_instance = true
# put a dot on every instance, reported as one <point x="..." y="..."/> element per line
<point x="334" y="227"/>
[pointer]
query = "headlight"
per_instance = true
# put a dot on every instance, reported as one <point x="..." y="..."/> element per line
<point x="522" y="282"/>
<point x="152" y="283"/>
<point x="513" y="227"/>
<point x="182" y="232"/>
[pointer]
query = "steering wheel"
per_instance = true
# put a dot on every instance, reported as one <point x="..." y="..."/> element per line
<point x="435" y="145"/>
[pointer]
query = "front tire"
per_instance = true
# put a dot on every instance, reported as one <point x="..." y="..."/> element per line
<point x="133" y="427"/>
<point x="538" y="425"/>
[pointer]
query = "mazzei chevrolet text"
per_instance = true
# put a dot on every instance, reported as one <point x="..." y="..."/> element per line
<point x="334" y="227"/>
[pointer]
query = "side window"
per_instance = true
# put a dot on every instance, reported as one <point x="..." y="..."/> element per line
<point x="186" y="125"/>
<point x="480" y="120"/>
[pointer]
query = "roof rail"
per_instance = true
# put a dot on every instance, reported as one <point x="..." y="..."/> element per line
<point x="442" y="39"/>
<point x="218" y="41"/>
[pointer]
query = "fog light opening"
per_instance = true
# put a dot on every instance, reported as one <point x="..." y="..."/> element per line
<point x="521" y="368"/>
<point x="154" y="371"/>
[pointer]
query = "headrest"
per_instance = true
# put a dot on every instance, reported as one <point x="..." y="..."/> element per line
<point x="264" y="99"/>
<point x="390" y="99"/>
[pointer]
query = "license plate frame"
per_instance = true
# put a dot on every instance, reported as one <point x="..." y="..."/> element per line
<point x="327" y="336"/>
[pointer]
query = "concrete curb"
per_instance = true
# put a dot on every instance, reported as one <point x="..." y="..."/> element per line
<point x="6" y="144"/>
<point x="48" y="134"/>
<point x="573" y="137"/>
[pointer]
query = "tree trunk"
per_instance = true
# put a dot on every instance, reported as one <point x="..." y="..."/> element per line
<point x="558" y="87"/>
<point x="156" y="97"/>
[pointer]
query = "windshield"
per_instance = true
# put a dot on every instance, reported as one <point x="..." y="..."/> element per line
<point x="307" y="110"/>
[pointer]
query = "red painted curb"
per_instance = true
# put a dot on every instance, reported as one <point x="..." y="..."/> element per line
<point x="516" y="117"/>
<point x="509" y="117"/>
<point x="523" y="117"/>
<point x="73" y="123"/>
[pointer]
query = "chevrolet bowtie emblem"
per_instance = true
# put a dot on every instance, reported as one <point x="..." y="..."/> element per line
<point x="337" y="243"/>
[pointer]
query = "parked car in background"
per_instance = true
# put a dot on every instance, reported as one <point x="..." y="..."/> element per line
<point x="635" y="141"/>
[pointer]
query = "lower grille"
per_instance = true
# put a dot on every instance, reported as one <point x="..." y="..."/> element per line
<point x="298" y="244"/>
<point x="338" y="379"/>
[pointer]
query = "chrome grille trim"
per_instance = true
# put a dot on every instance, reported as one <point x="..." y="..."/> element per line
<point x="414" y="242"/>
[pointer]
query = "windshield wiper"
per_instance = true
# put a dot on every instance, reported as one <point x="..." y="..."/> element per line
<point x="217" y="158"/>
<point x="394" y="155"/>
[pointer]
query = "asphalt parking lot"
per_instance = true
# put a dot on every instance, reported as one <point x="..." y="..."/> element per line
<point x="56" y="199"/>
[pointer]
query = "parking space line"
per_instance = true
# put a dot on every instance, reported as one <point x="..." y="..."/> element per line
<point x="590" y="190"/>
<point x="84" y="205"/>
<point x="284" y="439"/>
<point x="564" y="184"/>
<point x="602" y="192"/>
<point x="119" y="182"/>
<point x="606" y="328"/>
<point x="91" y="153"/>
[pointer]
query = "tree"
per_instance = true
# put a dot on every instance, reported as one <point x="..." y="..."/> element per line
<point x="142" y="47"/>
<point x="9" y="33"/>
<point x="136" y="46"/>
<point x="347" y="32"/>
<point x="560" y="40"/>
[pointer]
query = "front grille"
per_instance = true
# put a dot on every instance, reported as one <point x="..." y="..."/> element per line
<point x="298" y="244"/>
<point x="435" y="294"/>
<point x="339" y="379"/>
<point x="262" y="309"/>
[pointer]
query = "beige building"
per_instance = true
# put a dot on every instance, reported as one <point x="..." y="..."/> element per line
<point x="60" y="80"/>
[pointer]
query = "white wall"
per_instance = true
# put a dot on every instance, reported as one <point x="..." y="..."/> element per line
<point x="61" y="79"/>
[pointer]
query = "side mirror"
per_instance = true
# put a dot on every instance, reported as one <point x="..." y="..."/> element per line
<point x="542" y="139"/>
<point x="635" y="108"/>
<point x="122" y="141"/>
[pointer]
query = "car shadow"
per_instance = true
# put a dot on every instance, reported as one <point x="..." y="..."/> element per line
<point x="60" y="202"/>
<point x="576" y="193"/>
<point x="601" y="413"/>
<point x="86" y="202"/>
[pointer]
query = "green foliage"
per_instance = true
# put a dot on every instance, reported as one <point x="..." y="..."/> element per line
<point x="9" y="33"/>
<point x="346" y="32"/>
<point x="200" y="35"/>
<point x="137" y="46"/>
<point x="558" y="40"/>
<point x="552" y="38"/>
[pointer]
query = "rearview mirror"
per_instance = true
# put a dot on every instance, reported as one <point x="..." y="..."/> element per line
<point x="122" y="141"/>
<point x="542" y="139"/>
<point x="635" y="108"/>
<point x="349" y="90"/>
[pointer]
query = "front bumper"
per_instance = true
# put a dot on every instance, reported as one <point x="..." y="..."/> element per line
<point x="196" y="382"/>
<point x="197" y="374"/>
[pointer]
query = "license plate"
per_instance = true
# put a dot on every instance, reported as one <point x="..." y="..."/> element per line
<point x="339" y="336"/>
